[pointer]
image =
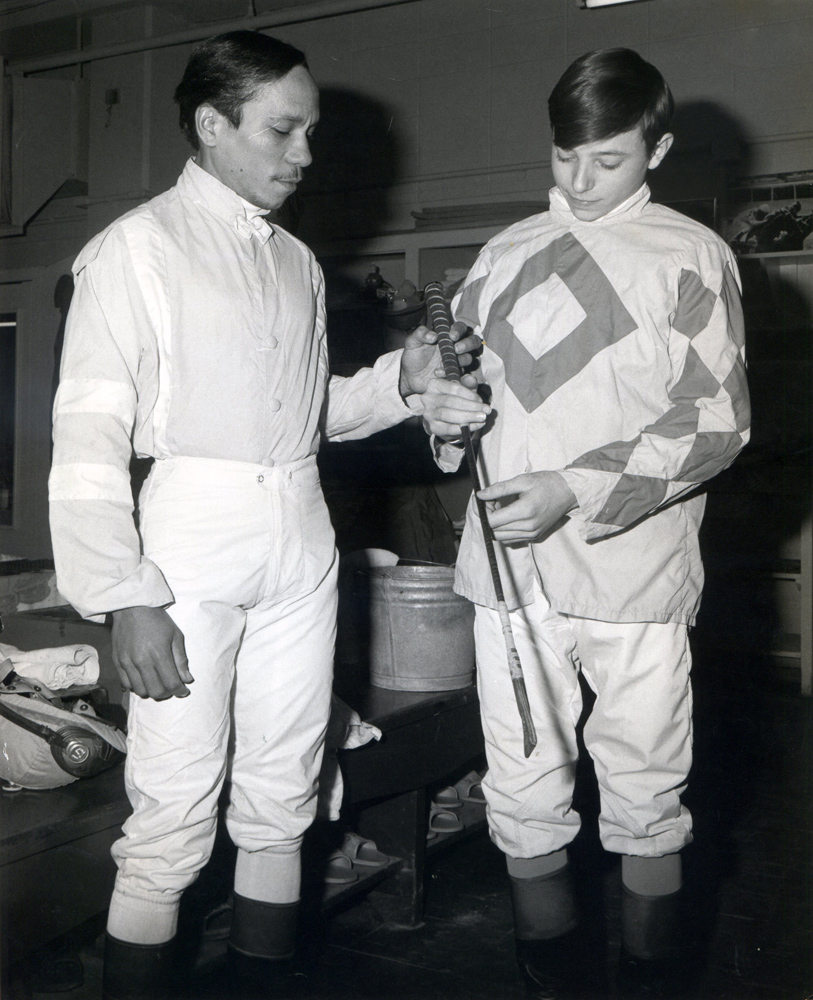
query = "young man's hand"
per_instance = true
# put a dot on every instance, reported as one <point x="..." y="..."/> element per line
<point x="542" y="499"/>
<point x="447" y="406"/>
<point x="149" y="654"/>
<point x="421" y="362"/>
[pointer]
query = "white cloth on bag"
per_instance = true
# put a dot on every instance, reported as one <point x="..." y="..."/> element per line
<point x="638" y="734"/>
<point x="248" y="551"/>
<point x="56" y="667"/>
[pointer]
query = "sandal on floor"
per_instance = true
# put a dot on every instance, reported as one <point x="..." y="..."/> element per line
<point x="442" y="821"/>
<point x="362" y="851"/>
<point x="217" y="922"/>
<point x="470" y="788"/>
<point x="447" y="798"/>
<point x="339" y="870"/>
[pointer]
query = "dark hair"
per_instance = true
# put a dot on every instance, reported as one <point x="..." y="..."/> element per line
<point x="226" y="71"/>
<point x="608" y="92"/>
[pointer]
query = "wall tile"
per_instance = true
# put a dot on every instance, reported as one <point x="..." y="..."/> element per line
<point x="390" y="74"/>
<point x="747" y="12"/>
<point x="605" y="27"/>
<point x="508" y="12"/>
<point x="450" y="17"/>
<point x="532" y="184"/>
<point x="328" y="45"/>
<point x="533" y="147"/>
<point x="519" y="115"/>
<point x="455" y="98"/>
<point x="529" y="40"/>
<point x="765" y="122"/>
<point x="454" y="124"/>
<point x="686" y="18"/>
<point x="465" y="52"/>
<point x="387" y="26"/>
<point x="453" y="190"/>
<point x="766" y="89"/>
<point x="407" y="146"/>
<point x="696" y="68"/>
<point x="773" y="45"/>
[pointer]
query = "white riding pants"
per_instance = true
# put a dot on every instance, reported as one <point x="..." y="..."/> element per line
<point x="249" y="554"/>
<point x="639" y="733"/>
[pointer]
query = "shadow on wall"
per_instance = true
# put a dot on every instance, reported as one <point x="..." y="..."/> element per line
<point x="355" y="162"/>
<point x="63" y="293"/>
<point x="712" y="148"/>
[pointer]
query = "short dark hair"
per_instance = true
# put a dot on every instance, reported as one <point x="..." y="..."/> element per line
<point x="226" y="71"/>
<point x="605" y="93"/>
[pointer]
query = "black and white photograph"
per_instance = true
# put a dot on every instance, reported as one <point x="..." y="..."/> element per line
<point x="406" y="500"/>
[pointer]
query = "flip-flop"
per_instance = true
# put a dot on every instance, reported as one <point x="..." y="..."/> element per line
<point x="217" y="922"/>
<point x="470" y="788"/>
<point x="441" y="821"/>
<point x="362" y="851"/>
<point x="339" y="870"/>
<point x="447" y="798"/>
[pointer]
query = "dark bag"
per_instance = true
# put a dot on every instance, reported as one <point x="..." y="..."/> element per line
<point x="42" y="745"/>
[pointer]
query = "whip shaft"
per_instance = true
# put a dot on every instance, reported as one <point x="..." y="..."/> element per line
<point x="441" y="322"/>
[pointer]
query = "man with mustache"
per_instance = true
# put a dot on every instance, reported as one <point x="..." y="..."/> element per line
<point x="196" y="336"/>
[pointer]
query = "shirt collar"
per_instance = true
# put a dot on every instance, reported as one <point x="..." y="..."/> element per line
<point x="629" y="209"/>
<point x="205" y="189"/>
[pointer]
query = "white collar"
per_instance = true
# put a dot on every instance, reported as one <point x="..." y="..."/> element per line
<point x="632" y="207"/>
<point x="205" y="189"/>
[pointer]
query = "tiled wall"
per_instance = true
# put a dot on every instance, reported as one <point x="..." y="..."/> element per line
<point x="464" y="83"/>
<point x="445" y="101"/>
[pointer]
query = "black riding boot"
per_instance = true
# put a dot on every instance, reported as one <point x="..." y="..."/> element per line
<point x="654" y="960"/>
<point x="261" y="948"/>
<point x="548" y="935"/>
<point x="137" y="971"/>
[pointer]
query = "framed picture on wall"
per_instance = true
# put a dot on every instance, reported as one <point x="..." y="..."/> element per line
<point x="771" y="215"/>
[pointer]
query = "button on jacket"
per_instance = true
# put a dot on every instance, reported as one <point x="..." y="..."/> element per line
<point x="615" y="354"/>
<point x="196" y="330"/>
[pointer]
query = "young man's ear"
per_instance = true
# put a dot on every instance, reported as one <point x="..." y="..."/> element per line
<point x="663" y="147"/>
<point x="208" y="122"/>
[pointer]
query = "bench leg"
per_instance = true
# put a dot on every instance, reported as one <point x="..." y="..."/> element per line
<point x="398" y="827"/>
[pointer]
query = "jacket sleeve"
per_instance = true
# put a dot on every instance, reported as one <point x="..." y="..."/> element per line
<point x="97" y="552"/>
<point x="367" y="402"/>
<point x="708" y="419"/>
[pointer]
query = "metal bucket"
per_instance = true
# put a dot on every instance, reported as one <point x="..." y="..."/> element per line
<point x="421" y="632"/>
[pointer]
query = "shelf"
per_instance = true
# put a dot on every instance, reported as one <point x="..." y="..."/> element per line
<point x="777" y="255"/>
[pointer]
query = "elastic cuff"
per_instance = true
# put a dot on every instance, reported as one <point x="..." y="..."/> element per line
<point x="140" y="921"/>
<point x="268" y="877"/>
<point x="652" y="876"/>
<point x="543" y="864"/>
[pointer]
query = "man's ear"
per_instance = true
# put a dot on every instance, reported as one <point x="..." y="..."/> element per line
<point x="208" y="124"/>
<point x="663" y="147"/>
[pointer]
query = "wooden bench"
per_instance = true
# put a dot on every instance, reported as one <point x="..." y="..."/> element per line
<point x="55" y="866"/>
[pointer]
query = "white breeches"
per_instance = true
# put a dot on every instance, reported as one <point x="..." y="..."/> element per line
<point x="249" y="554"/>
<point x="639" y="733"/>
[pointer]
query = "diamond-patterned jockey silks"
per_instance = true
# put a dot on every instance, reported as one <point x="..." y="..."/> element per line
<point x="600" y="316"/>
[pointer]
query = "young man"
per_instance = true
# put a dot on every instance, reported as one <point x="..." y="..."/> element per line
<point x="615" y="358"/>
<point x="197" y="336"/>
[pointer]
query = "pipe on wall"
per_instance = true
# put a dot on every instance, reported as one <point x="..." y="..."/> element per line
<point x="293" y="15"/>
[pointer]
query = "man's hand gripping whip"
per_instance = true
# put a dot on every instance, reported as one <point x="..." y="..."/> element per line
<point x="440" y="320"/>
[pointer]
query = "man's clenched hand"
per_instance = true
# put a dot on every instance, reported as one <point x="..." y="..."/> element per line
<point x="149" y="654"/>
